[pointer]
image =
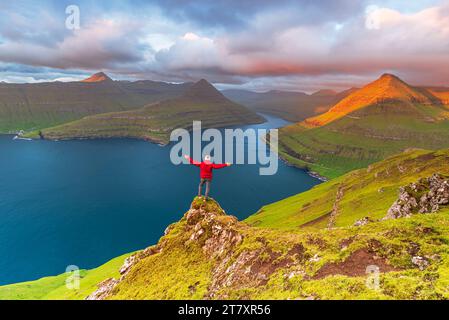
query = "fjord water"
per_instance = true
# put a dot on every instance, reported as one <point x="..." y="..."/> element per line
<point x="84" y="202"/>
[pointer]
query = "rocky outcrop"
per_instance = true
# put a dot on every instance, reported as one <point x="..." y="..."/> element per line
<point x="362" y="222"/>
<point x="104" y="289"/>
<point x="206" y="223"/>
<point x="425" y="196"/>
<point x="207" y="227"/>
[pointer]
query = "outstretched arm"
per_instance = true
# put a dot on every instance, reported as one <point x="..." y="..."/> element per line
<point x="191" y="161"/>
<point x="219" y="166"/>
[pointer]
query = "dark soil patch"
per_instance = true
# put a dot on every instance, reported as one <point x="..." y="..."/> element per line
<point x="268" y="266"/>
<point x="424" y="230"/>
<point x="355" y="265"/>
<point x="346" y="242"/>
<point x="316" y="241"/>
<point x="298" y="251"/>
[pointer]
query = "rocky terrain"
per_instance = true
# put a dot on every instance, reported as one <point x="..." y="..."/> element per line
<point x="238" y="261"/>
<point x="424" y="196"/>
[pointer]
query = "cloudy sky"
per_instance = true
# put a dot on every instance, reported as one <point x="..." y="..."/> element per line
<point x="301" y="45"/>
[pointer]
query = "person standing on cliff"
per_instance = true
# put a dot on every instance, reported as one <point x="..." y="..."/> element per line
<point x="206" y="168"/>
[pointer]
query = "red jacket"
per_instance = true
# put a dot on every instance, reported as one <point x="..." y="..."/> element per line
<point x="206" y="168"/>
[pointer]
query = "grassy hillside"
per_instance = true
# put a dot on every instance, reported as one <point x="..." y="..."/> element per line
<point x="381" y="119"/>
<point x="35" y="106"/>
<point x="291" y="106"/>
<point x="231" y="260"/>
<point x="54" y="288"/>
<point x="288" y="250"/>
<point x="365" y="192"/>
<point x="156" y="121"/>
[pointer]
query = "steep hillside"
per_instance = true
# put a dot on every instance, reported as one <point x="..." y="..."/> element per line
<point x="156" y="121"/>
<point x="35" y="106"/>
<point x="383" y="118"/>
<point x="291" y="106"/>
<point x="367" y="192"/>
<point x="294" y="249"/>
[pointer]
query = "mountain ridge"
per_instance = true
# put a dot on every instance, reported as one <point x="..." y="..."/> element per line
<point x="386" y="89"/>
<point x="30" y="107"/>
<point x="154" y="122"/>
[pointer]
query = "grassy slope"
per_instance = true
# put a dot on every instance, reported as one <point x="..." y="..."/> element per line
<point x="183" y="271"/>
<point x="54" y="288"/>
<point x="358" y="140"/>
<point x="367" y="192"/>
<point x="155" y="122"/>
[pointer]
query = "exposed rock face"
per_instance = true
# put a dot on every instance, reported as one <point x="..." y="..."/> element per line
<point x="425" y="196"/>
<point x="218" y="235"/>
<point x="104" y="289"/>
<point x="420" y="262"/>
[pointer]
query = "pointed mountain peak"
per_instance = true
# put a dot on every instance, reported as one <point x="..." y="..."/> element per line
<point x="387" y="90"/>
<point x="98" y="77"/>
<point x="204" y="84"/>
<point x="390" y="78"/>
<point x="203" y="89"/>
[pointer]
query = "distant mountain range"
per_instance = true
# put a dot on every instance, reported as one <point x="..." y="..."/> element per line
<point x="291" y="106"/>
<point x="155" y="121"/>
<point x="37" y="106"/>
<point x="382" y="118"/>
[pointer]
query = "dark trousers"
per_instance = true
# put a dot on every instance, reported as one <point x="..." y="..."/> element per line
<point x="207" y="182"/>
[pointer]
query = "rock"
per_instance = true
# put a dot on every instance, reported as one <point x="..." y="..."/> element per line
<point x="420" y="262"/>
<point x="424" y="196"/>
<point x="168" y="229"/>
<point x="104" y="289"/>
<point x="362" y="222"/>
<point x="129" y="262"/>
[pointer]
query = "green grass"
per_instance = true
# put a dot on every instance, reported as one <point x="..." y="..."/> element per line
<point x="367" y="192"/>
<point x="54" y="288"/>
<point x="182" y="264"/>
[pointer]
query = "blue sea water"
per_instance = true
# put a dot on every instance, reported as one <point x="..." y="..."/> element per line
<point x="84" y="202"/>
